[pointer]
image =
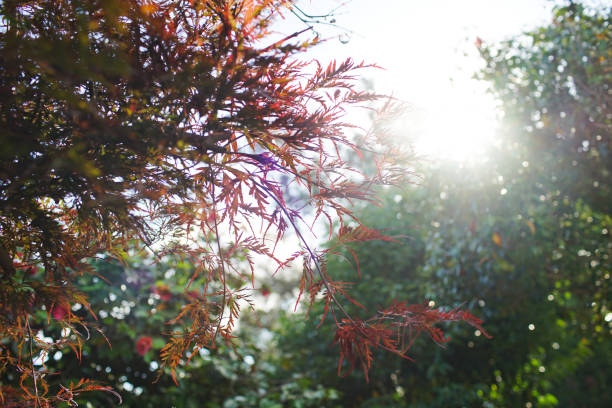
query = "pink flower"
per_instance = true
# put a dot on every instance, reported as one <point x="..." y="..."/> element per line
<point x="143" y="345"/>
<point x="59" y="312"/>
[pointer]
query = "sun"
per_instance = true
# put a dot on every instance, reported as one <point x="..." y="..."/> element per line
<point x="458" y="123"/>
<point x="460" y="128"/>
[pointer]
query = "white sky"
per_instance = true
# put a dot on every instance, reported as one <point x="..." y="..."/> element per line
<point x="428" y="52"/>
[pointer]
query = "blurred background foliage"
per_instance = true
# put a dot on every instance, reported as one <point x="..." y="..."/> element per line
<point x="521" y="238"/>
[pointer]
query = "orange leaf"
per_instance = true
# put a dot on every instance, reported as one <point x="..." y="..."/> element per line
<point x="531" y="226"/>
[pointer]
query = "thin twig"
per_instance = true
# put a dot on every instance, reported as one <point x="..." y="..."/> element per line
<point x="36" y="402"/>
<point x="222" y="264"/>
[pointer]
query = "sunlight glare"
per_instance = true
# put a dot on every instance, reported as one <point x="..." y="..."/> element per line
<point x="429" y="52"/>
<point x="458" y="129"/>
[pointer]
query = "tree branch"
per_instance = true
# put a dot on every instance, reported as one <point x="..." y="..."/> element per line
<point x="6" y="263"/>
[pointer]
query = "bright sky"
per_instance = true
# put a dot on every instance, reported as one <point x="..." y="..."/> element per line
<point x="428" y="51"/>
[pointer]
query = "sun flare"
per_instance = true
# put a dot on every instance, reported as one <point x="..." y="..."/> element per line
<point x="459" y="129"/>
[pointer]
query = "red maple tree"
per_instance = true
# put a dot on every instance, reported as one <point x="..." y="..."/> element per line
<point x="175" y="127"/>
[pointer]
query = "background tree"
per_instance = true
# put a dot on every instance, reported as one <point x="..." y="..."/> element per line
<point x="160" y="124"/>
<point x="554" y="85"/>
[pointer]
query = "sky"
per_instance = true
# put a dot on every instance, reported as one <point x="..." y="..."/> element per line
<point x="429" y="56"/>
